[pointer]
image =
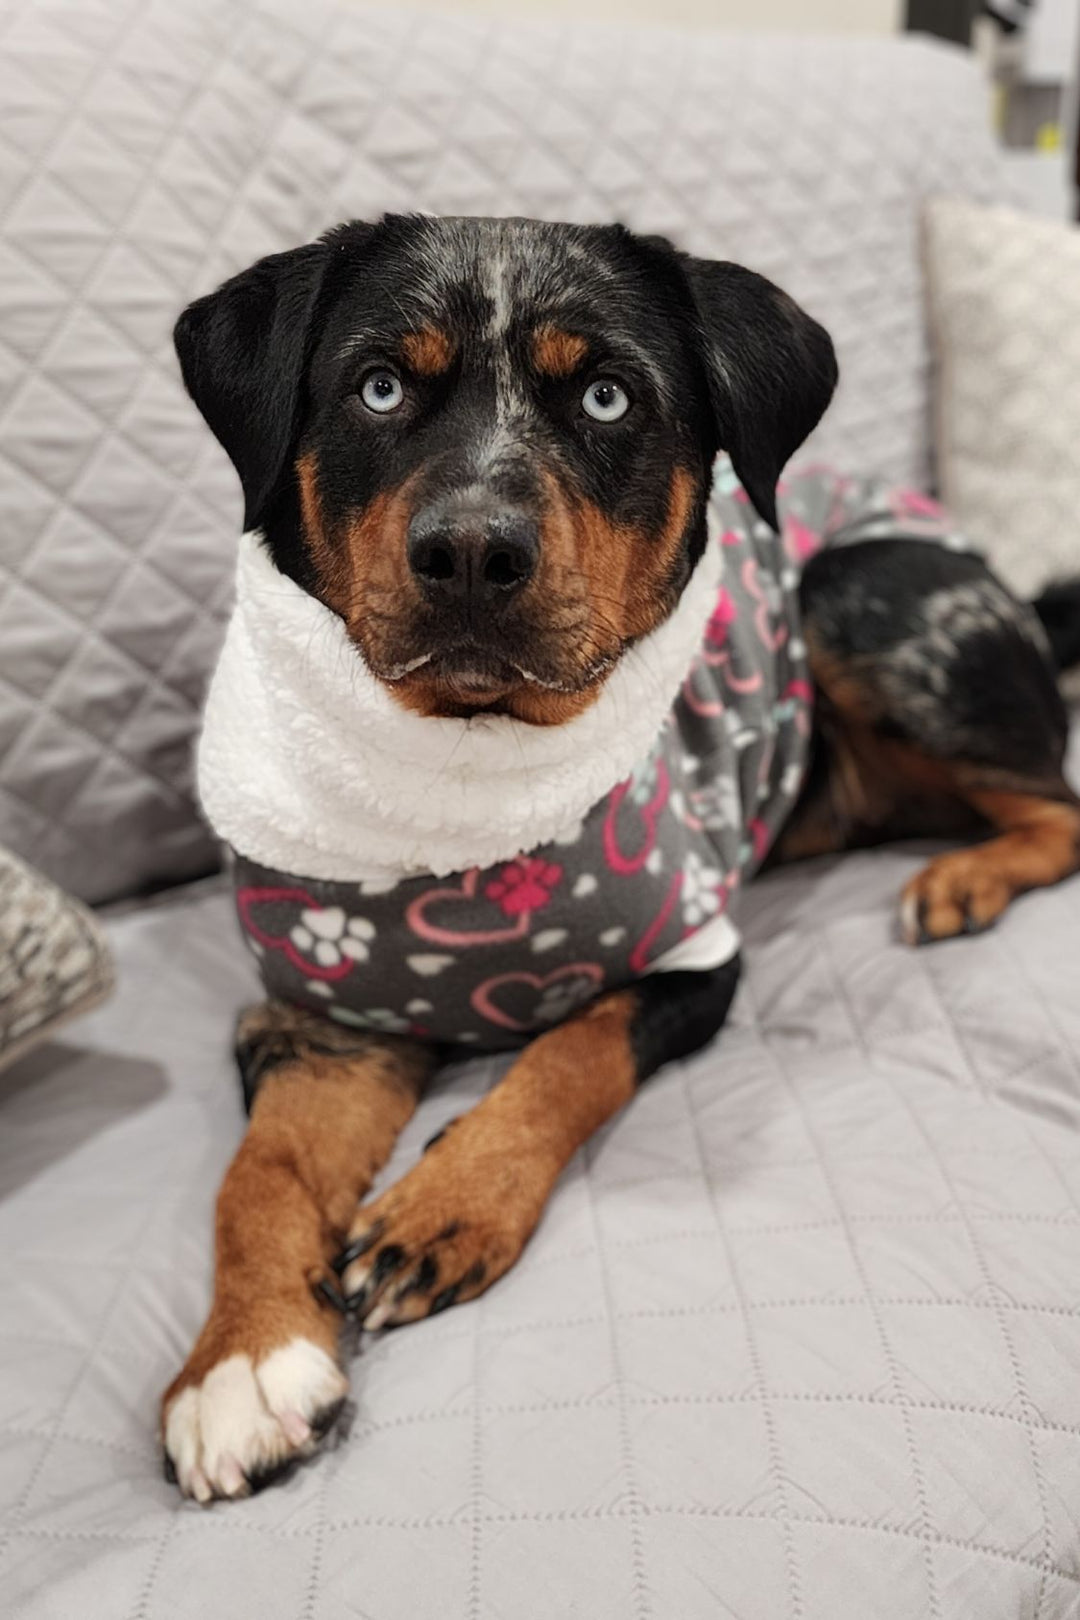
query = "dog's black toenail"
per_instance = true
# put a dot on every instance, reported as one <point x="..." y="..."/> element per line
<point x="449" y="1296"/>
<point x="326" y="1419"/>
<point x="387" y="1261"/>
<point x="324" y="1288"/>
<point x="422" y="1279"/>
<point x="359" y="1247"/>
<point x="169" y="1469"/>
<point x="273" y="1474"/>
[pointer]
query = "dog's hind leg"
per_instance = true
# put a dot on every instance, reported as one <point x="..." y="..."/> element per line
<point x="1037" y="843"/>
<point x="938" y="715"/>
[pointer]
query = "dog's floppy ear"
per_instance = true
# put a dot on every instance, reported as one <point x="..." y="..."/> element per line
<point x="243" y="351"/>
<point x="772" y="371"/>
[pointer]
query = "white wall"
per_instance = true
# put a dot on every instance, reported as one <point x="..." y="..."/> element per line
<point x="851" y="16"/>
<point x="1052" y="42"/>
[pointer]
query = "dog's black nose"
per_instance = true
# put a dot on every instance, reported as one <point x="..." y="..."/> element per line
<point x="476" y="556"/>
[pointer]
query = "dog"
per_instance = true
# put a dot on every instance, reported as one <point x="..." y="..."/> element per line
<point x="520" y="686"/>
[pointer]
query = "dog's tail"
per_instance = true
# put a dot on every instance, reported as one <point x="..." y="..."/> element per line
<point x="1058" y="606"/>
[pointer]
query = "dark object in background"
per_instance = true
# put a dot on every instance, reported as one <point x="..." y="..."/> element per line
<point x="1059" y="609"/>
<point x="954" y="19"/>
<point x="948" y="19"/>
<point x="1010" y="15"/>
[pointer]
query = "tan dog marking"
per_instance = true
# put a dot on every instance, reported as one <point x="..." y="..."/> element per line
<point x="428" y="351"/>
<point x="629" y="574"/>
<point x="363" y="570"/>
<point x="461" y="1217"/>
<point x="557" y="353"/>
<point x="1037" y="844"/>
<point x="329" y="564"/>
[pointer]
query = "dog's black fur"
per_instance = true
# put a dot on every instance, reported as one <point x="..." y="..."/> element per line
<point x="1058" y="607"/>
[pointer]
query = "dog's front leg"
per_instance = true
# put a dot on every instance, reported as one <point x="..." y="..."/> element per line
<point x="461" y="1217"/>
<point x="264" y="1378"/>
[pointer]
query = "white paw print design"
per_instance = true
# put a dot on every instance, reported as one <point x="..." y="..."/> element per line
<point x="717" y="804"/>
<point x="380" y="1018"/>
<point x="327" y="934"/>
<point x="700" y="897"/>
<point x="560" y="998"/>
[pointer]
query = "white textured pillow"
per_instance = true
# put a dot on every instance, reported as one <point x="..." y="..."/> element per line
<point x="54" y="960"/>
<point x="1005" y="317"/>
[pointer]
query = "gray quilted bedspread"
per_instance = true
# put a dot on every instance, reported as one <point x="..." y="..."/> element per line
<point x="150" y="147"/>
<point x="799" y="1334"/>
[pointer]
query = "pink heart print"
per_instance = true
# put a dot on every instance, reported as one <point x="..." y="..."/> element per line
<point x="617" y="858"/>
<point x="508" y="897"/>
<point x="483" y="996"/>
<point x="640" y="955"/>
<point x="716" y="654"/>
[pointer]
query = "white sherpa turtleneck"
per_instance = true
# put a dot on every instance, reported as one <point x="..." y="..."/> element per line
<point x="307" y="764"/>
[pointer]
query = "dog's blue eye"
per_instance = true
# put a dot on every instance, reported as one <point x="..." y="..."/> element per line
<point x="382" y="392"/>
<point x="605" y="401"/>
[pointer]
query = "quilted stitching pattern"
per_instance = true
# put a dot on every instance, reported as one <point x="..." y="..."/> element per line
<point x="149" y="149"/>
<point x="798" y="1335"/>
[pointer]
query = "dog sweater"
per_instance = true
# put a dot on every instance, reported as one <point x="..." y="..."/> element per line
<point x="474" y="881"/>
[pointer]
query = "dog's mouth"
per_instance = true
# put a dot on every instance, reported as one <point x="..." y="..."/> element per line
<point x="470" y="677"/>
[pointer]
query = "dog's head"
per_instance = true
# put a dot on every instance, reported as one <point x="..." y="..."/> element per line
<point x="486" y="444"/>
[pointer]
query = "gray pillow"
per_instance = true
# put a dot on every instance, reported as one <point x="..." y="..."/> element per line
<point x="54" y="961"/>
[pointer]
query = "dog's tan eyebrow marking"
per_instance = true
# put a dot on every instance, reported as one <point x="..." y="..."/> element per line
<point x="428" y="351"/>
<point x="557" y="353"/>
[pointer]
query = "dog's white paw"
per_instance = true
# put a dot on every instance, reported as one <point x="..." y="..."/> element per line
<point x="246" y="1421"/>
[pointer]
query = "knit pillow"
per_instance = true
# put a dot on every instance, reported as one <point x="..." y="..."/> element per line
<point x="1005" y="318"/>
<point x="54" y="961"/>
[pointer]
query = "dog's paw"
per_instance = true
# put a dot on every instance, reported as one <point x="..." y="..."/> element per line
<point x="440" y="1236"/>
<point x="244" y="1422"/>
<point x="958" y="893"/>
